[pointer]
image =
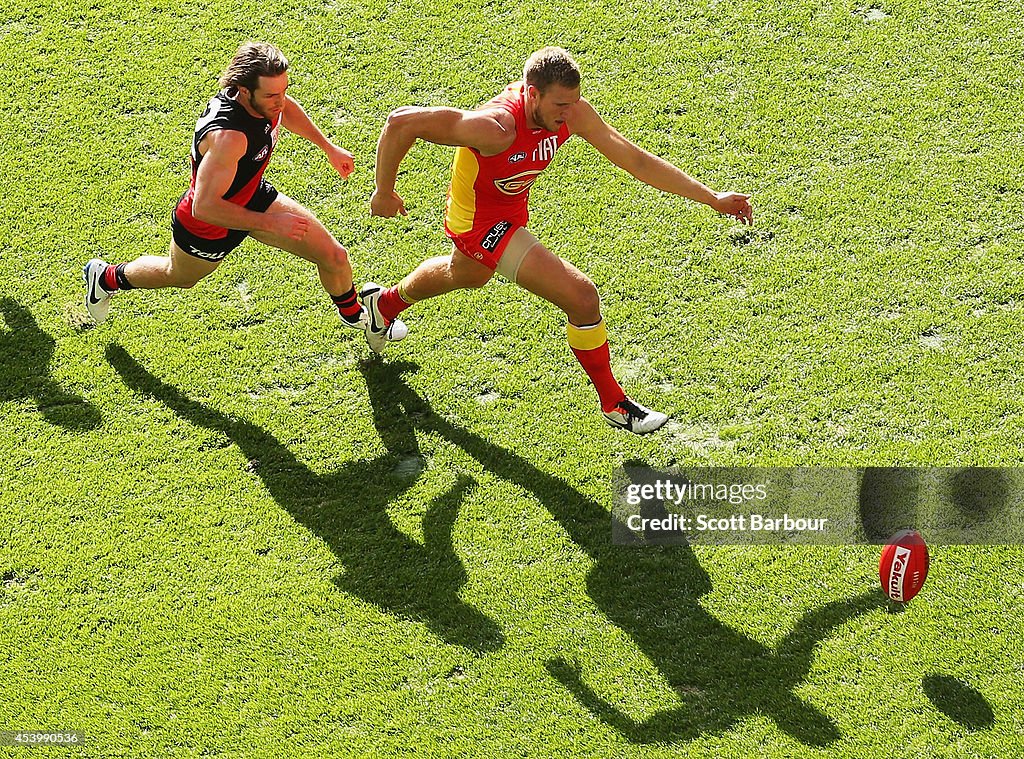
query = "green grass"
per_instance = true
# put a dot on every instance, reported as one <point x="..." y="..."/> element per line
<point x="227" y="531"/>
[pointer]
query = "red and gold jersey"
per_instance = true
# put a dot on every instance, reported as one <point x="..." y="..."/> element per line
<point x="488" y="189"/>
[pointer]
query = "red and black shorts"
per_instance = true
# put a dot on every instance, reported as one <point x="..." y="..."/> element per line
<point x="216" y="249"/>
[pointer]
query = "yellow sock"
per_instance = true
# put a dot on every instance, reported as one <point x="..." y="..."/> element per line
<point x="403" y="293"/>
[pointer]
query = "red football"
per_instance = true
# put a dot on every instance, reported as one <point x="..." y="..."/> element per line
<point x="904" y="565"/>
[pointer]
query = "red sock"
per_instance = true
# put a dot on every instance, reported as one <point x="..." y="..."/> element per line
<point x="391" y="304"/>
<point x="590" y="346"/>
<point x="109" y="279"/>
<point x="113" y="279"/>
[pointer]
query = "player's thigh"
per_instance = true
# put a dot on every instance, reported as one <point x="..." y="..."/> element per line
<point x="317" y="245"/>
<point x="556" y="280"/>
<point x="187" y="269"/>
<point x="467" y="272"/>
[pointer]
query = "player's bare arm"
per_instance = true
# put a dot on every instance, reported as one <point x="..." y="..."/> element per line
<point x="295" y="119"/>
<point x="490" y="131"/>
<point x="222" y="151"/>
<point x="649" y="168"/>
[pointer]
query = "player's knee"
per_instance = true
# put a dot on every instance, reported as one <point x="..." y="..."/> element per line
<point x="335" y="258"/>
<point x="586" y="301"/>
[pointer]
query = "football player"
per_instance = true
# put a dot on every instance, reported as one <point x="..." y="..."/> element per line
<point x="228" y="198"/>
<point x="501" y="148"/>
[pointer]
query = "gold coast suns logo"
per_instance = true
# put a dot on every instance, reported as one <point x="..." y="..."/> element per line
<point x="517" y="183"/>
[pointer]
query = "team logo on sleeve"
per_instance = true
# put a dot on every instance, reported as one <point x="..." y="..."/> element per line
<point x="518" y="183"/>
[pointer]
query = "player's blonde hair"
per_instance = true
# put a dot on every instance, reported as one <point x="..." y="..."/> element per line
<point x="253" y="60"/>
<point x="551" y="65"/>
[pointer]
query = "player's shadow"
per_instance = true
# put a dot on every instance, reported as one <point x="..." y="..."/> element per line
<point x="347" y="508"/>
<point x="888" y="501"/>
<point x="974" y="502"/>
<point x="25" y="355"/>
<point x="719" y="675"/>
<point x="959" y="701"/>
<point x="980" y="497"/>
<point x="653" y="594"/>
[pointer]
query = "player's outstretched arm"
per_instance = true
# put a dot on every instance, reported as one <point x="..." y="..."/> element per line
<point x="295" y="119"/>
<point x="489" y="131"/>
<point x="649" y="168"/>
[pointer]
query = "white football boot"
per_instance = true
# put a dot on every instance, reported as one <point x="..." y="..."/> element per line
<point x="97" y="299"/>
<point x="359" y="322"/>
<point x="379" y="331"/>
<point x="630" y="415"/>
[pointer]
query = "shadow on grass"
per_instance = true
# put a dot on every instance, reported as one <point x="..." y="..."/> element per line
<point x="891" y="499"/>
<point x="25" y="354"/>
<point x="959" y="701"/>
<point x="652" y="593"/>
<point x="347" y="509"/>
<point x="719" y="674"/>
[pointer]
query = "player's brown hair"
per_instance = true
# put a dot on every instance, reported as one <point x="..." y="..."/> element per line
<point x="253" y="60"/>
<point x="551" y="65"/>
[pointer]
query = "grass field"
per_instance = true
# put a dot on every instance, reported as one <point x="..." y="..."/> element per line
<point x="227" y="531"/>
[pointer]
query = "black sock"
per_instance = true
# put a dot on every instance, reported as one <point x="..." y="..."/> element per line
<point x="348" y="305"/>
<point x="122" y="280"/>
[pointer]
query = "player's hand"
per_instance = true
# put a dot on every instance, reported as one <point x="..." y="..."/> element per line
<point x="734" y="204"/>
<point x="289" y="225"/>
<point x="387" y="204"/>
<point x="341" y="160"/>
